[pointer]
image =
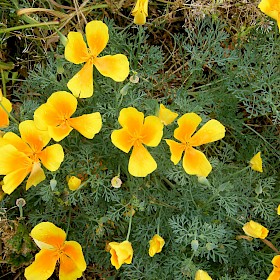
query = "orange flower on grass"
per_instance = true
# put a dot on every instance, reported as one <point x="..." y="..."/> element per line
<point x="55" y="117"/>
<point x="51" y="240"/>
<point x="256" y="162"/>
<point x="156" y="245"/>
<point x="166" y="115"/>
<point x="121" y="253"/>
<point x="271" y="8"/>
<point x="202" y="275"/>
<point x="140" y="12"/>
<point x="5" y="108"/>
<point x="275" y="274"/>
<point x="23" y="156"/>
<point x="135" y="132"/>
<point x="76" y="51"/>
<point x="194" y="161"/>
<point x="255" y="230"/>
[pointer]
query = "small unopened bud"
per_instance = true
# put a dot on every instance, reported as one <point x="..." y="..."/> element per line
<point x="53" y="184"/>
<point x="203" y="181"/>
<point x="116" y="182"/>
<point x="194" y="245"/>
<point x="125" y="89"/>
<point x="258" y="189"/>
<point x="210" y="246"/>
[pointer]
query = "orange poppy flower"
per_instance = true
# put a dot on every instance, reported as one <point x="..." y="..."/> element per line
<point x="55" y="117"/>
<point x="23" y="156"/>
<point x="121" y="253"/>
<point x="135" y="132"/>
<point x="271" y="8"/>
<point x="5" y="108"/>
<point x="76" y="51"/>
<point x="194" y="161"/>
<point x="256" y="162"/>
<point x="202" y="275"/>
<point x="140" y="12"/>
<point x="166" y="115"/>
<point x="255" y="230"/>
<point x="275" y="274"/>
<point x="51" y="240"/>
<point x="156" y="245"/>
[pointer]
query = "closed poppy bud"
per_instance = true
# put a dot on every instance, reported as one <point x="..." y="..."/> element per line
<point x="156" y="244"/>
<point x="255" y="230"/>
<point x="74" y="183"/>
<point x="121" y="253"/>
<point x="278" y="210"/>
<point x="256" y="162"/>
<point x="202" y="275"/>
<point x="140" y="12"/>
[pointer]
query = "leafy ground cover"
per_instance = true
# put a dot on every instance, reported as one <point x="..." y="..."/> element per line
<point x="214" y="60"/>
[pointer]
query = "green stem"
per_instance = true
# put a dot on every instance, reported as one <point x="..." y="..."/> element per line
<point x="236" y="220"/>
<point x="20" y="211"/>
<point x="158" y="221"/>
<point x="130" y="223"/>
<point x="3" y="83"/>
<point x="69" y="219"/>
<point x="10" y="29"/>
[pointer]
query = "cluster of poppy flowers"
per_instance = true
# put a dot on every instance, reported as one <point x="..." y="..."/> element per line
<point x="23" y="156"/>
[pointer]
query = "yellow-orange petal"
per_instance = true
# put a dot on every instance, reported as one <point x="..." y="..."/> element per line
<point x="76" y="48"/>
<point x="276" y="262"/>
<point x="187" y="126"/>
<point x="60" y="106"/>
<point x="266" y="7"/>
<point x="37" y="139"/>
<point x="255" y="230"/>
<point x="52" y="156"/>
<point x="274" y="275"/>
<point x="47" y="234"/>
<point x="115" y="66"/>
<point x="121" y="253"/>
<point x="64" y="103"/>
<point x="4" y="117"/>
<point x="165" y="115"/>
<point x="212" y="131"/>
<point x="141" y="163"/>
<point x="156" y="245"/>
<point x="13" y="179"/>
<point x="44" y="116"/>
<point x="176" y="150"/>
<point x="43" y="266"/>
<point x="81" y="85"/>
<point x="256" y="162"/>
<point x="37" y="175"/>
<point x="202" y="275"/>
<point x="122" y="139"/>
<point x="152" y="131"/>
<point x="12" y="159"/>
<point x="59" y="132"/>
<point x="196" y="163"/>
<point x="88" y="125"/>
<point x="17" y="142"/>
<point x="278" y="210"/>
<point x="131" y="119"/>
<point x="97" y="36"/>
<point x="73" y="250"/>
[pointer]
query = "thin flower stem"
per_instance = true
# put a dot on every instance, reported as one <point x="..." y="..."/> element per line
<point x="69" y="219"/>
<point x="3" y="83"/>
<point x="130" y="222"/>
<point x="270" y="245"/>
<point x="25" y="26"/>
<point x="158" y="224"/>
<point x="236" y="220"/>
